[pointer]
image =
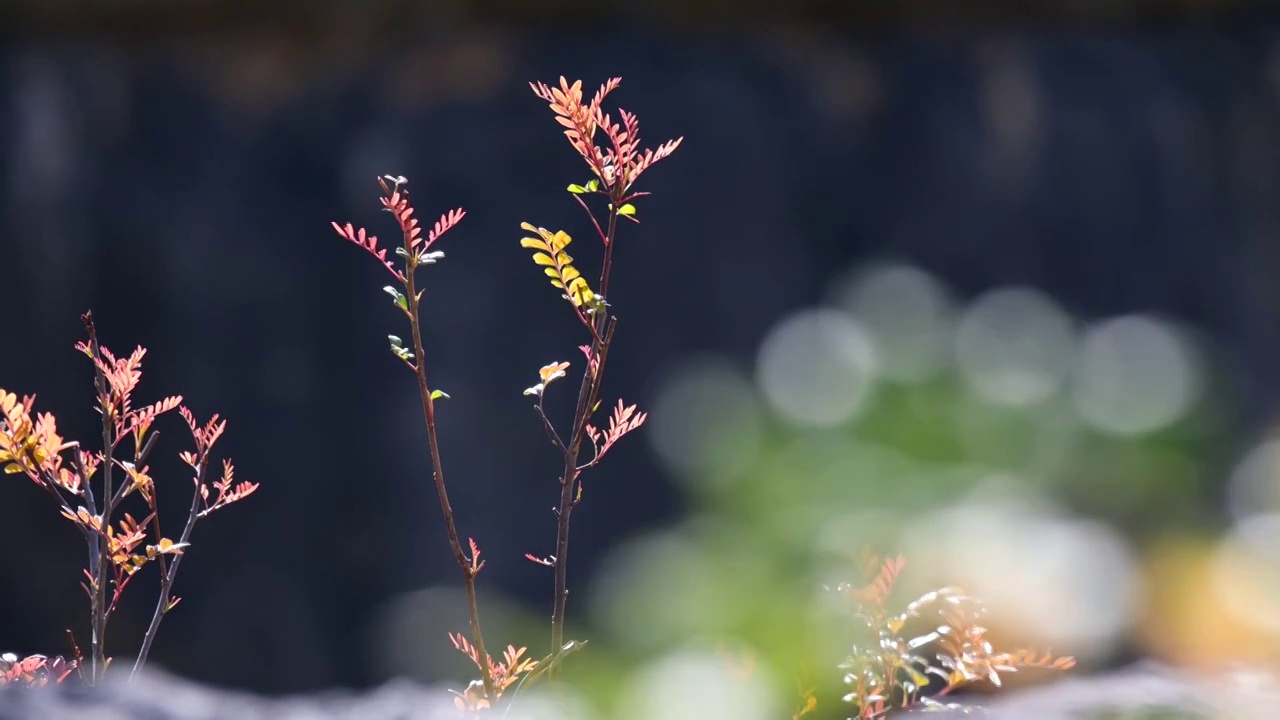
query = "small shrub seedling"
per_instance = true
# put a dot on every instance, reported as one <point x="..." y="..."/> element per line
<point x="892" y="667"/>
<point x="118" y="548"/>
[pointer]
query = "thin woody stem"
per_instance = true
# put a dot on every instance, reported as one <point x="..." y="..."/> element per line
<point x="587" y="394"/>
<point x="100" y="554"/>
<point x="168" y="575"/>
<point x="429" y="413"/>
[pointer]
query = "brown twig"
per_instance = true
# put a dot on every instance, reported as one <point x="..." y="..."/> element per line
<point x="413" y="250"/>
<point x="588" y="394"/>
<point x="552" y="435"/>
<point x="97" y="607"/>
<point x="168" y="575"/>
<point x="429" y="413"/>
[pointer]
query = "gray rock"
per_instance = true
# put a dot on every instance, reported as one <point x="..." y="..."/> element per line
<point x="1144" y="691"/>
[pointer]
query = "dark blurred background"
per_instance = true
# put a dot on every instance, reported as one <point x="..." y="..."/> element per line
<point x="175" y="167"/>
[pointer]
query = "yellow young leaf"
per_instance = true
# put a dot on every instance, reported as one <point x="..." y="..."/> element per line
<point x="551" y="372"/>
<point x="534" y="244"/>
<point x="580" y="292"/>
<point x="570" y="273"/>
<point x="543" y="259"/>
<point x="561" y="240"/>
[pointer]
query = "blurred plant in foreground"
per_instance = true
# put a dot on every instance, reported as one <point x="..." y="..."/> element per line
<point x="890" y="667"/>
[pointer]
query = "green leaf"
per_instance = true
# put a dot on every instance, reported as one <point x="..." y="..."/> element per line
<point x="627" y="209"/>
<point x="593" y="185"/>
<point x="400" y="300"/>
<point x="577" y="189"/>
<point x="437" y="394"/>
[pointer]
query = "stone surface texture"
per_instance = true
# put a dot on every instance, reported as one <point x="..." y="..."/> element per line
<point x="1146" y="691"/>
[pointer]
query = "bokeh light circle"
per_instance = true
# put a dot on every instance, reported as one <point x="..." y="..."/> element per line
<point x="1134" y="375"/>
<point x="707" y="421"/>
<point x="1014" y="346"/>
<point x="909" y="315"/>
<point x="693" y="685"/>
<point x="817" y="367"/>
<point x="1246" y="572"/>
<point x="1046" y="577"/>
<point x="1254" y="485"/>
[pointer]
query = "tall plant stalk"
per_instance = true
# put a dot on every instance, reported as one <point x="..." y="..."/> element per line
<point x="615" y="167"/>
<point x="415" y="250"/>
<point x="467" y="566"/>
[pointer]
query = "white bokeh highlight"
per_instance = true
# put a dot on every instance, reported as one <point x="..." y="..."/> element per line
<point x="693" y="685"/>
<point x="909" y="316"/>
<point x="1064" y="581"/>
<point x="1014" y="346"/>
<point x="640" y="613"/>
<point x="1246" y="572"/>
<point x="562" y="703"/>
<point x="1134" y="375"/>
<point x="817" y="367"/>
<point x="1254" y="485"/>
<point x="707" y="421"/>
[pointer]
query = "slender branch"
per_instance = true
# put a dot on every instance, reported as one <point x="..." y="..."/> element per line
<point x="166" y="582"/>
<point x="608" y="248"/>
<point x="139" y="460"/>
<point x="603" y="237"/>
<point x="565" y="509"/>
<point x="165" y="587"/>
<point x="50" y="484"/>
<point x="587" y="393"/>
<point x="98" y="563"/>
<point x="77" y="458"/>
<point x="167" y="578"/>
<point x="595" y="457"/>
<point x="75" y="653"/>
<point x="595" y="396"/>
<point x="552" y="435"/>
<point x="588" y="322"/>
<point x="429" y="412"/>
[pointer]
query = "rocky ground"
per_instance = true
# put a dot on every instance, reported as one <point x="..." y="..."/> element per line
<point x="1145" y="691"/>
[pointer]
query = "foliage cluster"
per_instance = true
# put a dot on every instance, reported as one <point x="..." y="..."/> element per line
<point x="894" y="666"/>
<point x="119" y="546"/>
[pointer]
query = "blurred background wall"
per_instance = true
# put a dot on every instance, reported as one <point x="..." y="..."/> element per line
<point x="176" y="168"/>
